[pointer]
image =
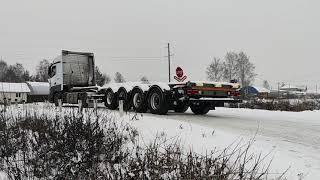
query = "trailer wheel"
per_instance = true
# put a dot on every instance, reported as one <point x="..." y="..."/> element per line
<point x="200" y="109"/>
<point x="157" y="102"/>
<point x="123" y="94"/>
<point x="181" y="107"/>
<point x="110" y="100"/>
<point x="138" y="99"/>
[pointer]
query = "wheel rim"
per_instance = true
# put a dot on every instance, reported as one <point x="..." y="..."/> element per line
<point x="137" y="100"/>
<point x="123" y="95"/>
<point x="155" y="101"/>
<point x="109" y="98"/>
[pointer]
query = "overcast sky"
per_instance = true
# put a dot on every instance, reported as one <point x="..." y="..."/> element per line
<point x="280" y="36"/>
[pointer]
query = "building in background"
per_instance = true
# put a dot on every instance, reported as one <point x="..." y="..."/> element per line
<point x="293" y="90"/>
<point x="253" y="91"/>
<point x="13" y="92"/>
<point x="39" y="91"/>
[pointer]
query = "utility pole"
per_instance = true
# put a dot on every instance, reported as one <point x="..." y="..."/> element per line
<point x="278" y="90"/>
<point x="169" y="68"/>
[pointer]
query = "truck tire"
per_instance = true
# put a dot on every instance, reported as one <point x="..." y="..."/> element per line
<point x="181" y="107"/>
<point x="200" y="109"/>
<point x="138" y="101"/>
<point x="157" y="101"/>
<point x="110" y="100"/>
<point x="124" y="95"/>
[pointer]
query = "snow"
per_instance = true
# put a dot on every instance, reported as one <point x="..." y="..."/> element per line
<point x="130" y="85"/>
<point x="163" y="85"/>
<point x="3" y="176"/>
<point x="261" y="89"/>
<point x="127" y="85"/>
<point x="291" y="138"/>
<point x="14" y="87"/>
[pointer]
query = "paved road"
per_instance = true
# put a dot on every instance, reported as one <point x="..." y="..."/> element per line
<point x="301" y="128"/>
<point x="295" y="136"/>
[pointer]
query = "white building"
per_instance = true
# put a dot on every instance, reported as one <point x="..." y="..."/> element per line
<point x="14" y="92"/>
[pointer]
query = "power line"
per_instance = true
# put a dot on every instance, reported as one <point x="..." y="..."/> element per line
<point x="135" y="57"/>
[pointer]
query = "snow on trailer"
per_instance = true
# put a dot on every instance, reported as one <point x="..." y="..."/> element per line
<point x="159" y="97"/>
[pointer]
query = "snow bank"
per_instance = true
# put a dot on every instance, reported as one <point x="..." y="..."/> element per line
<point x="284" y="148"/>
<point x="3" y="176"/>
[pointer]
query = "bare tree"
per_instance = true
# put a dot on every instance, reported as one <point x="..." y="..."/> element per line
<point x="144" y="79"/>
<point x="10" y="75"/>
<point x="230" y="66"/>
<point x="42" y="71"/>
<point x="108" y="79"/>
<point x="118" y="78"/>
<point x="26" y="75"/>
<point x="215" y="70"/>
<point x="3" y="69"/>
<point x="236" y="66"/>
<point x="101" y="78"/>
<point x="19" y="71"/>
<point x="15" y="73"/>
<point x="245" y="69"/>
<point x="266" y="84"/>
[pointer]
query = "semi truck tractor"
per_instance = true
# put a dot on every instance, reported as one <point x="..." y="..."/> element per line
<point x="72" y="78"/>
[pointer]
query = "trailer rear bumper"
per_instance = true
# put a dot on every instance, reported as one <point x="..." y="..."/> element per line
<point x="215" y="100"/>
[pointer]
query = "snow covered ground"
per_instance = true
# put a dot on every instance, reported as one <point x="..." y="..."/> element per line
<point x="291" y="138"/>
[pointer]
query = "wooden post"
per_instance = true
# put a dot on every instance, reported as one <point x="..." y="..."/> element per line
<point x="60" y="106"/>
<point x="80" y="106"/>
<point x="95" y="107"/>
<point x="121" y="107"/>
<point x="24" y="105"/>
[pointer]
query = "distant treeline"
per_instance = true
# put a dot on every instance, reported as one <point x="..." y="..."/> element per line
<point x="17" y="73"/>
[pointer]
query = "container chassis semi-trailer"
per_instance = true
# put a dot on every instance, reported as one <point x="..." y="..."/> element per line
<point x="159" y="98"/>
<point x="72" y="80"/>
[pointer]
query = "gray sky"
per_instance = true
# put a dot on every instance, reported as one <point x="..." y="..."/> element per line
<point x="281" y="36"/>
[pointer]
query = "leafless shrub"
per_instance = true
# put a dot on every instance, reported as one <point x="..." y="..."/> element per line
<point x="280" y="105"/>
<point x="84" y="146"/>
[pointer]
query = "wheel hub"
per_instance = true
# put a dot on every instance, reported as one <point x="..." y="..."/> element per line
<point x="109" y="98"/>
<point x="155" y="101"/>
<point x="137" y="100"/>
